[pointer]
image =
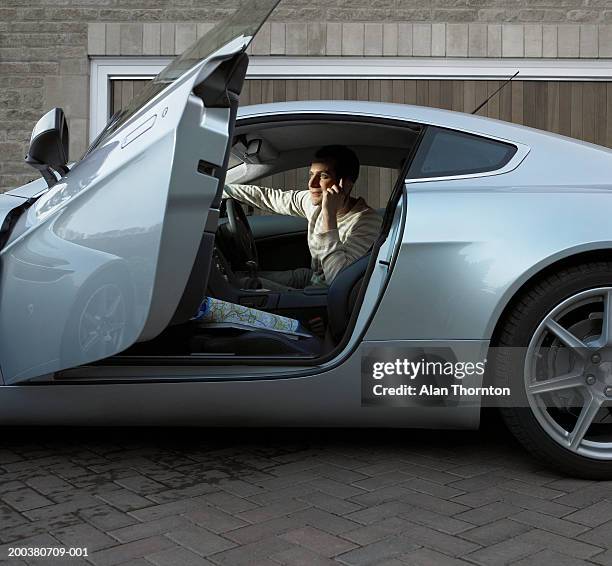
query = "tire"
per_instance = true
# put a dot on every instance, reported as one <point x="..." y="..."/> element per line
<point x="531" y="350"/>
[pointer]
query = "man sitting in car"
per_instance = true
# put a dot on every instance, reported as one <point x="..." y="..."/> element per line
<point x="341" y="228"/>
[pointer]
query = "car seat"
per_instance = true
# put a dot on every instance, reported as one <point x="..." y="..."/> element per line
<point x="341" y="298"/>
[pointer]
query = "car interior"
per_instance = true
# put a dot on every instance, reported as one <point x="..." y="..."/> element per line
<point x="281" y="151"/>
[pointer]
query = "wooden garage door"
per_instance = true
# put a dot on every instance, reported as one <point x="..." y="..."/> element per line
<point x="578" y="109"/>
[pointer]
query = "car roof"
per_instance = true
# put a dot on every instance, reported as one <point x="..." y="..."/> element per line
<point x="419" y="114"/>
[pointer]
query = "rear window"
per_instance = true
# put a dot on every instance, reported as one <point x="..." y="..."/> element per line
<point x="445" y="153"/>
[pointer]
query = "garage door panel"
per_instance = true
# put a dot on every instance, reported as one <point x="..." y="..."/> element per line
<point x="588" y="112"/>
<point x="565" y="108"/>
<point x="600" y="113"/>
<point x="528" y="103"/>
<point x="552" y="109"/>
<point x="517" y="101"/>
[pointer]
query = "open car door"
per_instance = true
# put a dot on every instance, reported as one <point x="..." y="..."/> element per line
<point x="121" y="246"/>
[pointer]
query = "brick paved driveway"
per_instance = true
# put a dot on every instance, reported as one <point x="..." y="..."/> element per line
<point x="267" y="497"/>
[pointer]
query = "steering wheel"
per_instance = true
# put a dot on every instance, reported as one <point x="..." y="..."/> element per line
<point x="240" y="238"/>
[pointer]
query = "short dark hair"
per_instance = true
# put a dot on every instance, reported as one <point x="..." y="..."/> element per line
<point x="346" y="163"/>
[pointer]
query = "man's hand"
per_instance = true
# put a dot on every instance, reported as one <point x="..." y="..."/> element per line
<point x="334" y="200"/>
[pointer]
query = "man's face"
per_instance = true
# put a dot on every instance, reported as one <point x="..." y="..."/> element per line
<point x="322" y="176"/>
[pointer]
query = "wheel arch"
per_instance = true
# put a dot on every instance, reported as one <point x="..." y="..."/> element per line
<point x="584" y="256"/>
<point x="574" y="258"/>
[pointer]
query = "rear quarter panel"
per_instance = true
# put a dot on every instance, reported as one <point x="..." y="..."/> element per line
<point x="470" y="244"/>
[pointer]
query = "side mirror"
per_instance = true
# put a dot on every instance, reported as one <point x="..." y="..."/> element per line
<point x="48" y="150"/>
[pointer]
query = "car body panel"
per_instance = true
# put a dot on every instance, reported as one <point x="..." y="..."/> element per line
<point x="455" y="275"/>
<point x="12" y="205"/>
<point x="7" y="204"/>
<point x="29" y="190"/>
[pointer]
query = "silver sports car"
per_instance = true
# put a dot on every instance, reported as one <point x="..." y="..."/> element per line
<point x="490" y="283"/>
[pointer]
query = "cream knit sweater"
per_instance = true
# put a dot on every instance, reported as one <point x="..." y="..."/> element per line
<point x="331" y="250"/>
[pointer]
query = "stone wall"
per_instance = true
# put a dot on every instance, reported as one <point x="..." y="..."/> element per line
<point x="45" y="44"/>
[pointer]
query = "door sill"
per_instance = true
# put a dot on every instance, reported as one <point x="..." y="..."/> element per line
<point x="173" y="369"/>
<point x="197" y="359"/>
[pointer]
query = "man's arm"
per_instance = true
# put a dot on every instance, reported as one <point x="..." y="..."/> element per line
<point x="270" y="200"/>
<point x="336" y="255"/>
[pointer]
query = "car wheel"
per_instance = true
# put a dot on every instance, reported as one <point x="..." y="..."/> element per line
<point x="554" y="351"/>
<point x="100" y="320"/>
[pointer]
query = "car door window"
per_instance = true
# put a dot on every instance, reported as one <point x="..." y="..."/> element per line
<point x="446" y="153"/>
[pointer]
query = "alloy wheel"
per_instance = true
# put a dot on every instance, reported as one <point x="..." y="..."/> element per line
<point x="568" y="373"/>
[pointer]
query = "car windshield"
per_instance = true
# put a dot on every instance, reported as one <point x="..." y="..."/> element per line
<point x="245" y="21"/>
